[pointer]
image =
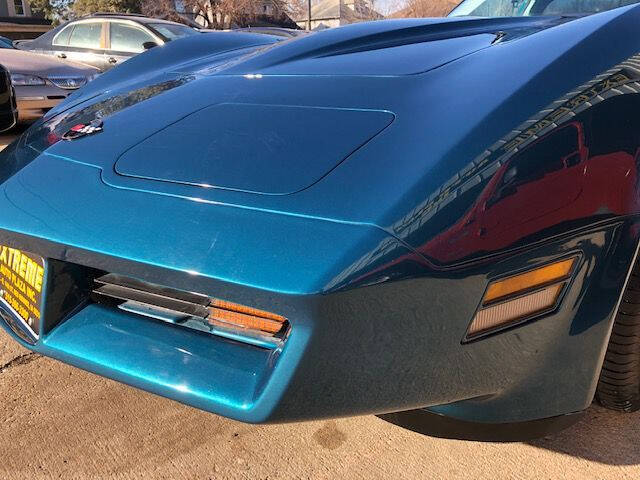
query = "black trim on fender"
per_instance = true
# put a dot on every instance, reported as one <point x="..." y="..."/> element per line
<point x="436" y="425"/>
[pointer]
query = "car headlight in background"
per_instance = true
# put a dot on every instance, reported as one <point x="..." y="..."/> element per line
<point x="93" y="77"/>
<point x="21" y="79"/>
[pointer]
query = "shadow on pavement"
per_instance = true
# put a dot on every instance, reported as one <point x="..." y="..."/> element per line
<point x="603" y="436"/>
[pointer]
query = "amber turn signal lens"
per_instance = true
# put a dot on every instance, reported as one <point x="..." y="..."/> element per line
<point x="525" y="281"/>
<point x="235" y="307"/>
<point x="240" y="316"/>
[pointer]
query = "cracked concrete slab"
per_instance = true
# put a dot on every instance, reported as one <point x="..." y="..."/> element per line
<point x="9" y="349"/>
<point x="18" y="361"/>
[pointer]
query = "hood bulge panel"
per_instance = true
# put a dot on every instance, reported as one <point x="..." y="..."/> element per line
<point x="270" y="149"/>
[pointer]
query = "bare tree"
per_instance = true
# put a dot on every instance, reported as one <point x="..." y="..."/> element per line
<point x="218" y="14"/>
<point x="164" y="9"/>
<point x="207" y="12"/>
<point x="368" y="10"/>
<point x="244" y="12"/>
<point x="199" y="10"/>
<point x="297" y="9"/>
<point x="428" y="8"/>
<point x="391" y="6"/>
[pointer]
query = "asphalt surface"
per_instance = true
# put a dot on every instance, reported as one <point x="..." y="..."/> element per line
<point x="60" y="422"/>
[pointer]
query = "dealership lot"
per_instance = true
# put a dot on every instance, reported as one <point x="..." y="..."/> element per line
<point x="61" y="422"/>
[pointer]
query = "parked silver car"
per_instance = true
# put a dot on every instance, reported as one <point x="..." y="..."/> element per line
<point x="8" y="109"/>
<point x="41" y="82"/>
<point x="105" y="40"/>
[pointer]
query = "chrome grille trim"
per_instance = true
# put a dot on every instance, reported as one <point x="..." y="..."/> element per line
<point x="173" y="306"/>
<point x="119" y="292"/>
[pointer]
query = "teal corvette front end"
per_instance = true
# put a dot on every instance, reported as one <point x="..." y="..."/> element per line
<point x="430" y="217"/>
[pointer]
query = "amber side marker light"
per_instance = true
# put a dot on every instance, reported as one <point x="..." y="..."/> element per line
<point x="520" y="297"/>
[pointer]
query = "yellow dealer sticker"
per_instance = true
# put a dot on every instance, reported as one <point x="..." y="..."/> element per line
<point x="21" y="278"/>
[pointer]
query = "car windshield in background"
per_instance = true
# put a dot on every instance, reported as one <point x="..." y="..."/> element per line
<point x="521" y="8"/>
<point x="171" y="31"/>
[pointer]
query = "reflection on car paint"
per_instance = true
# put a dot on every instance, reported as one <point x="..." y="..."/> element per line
<point x="573" y="163"/>
<point x="114" y="104"/>
<point x="590" y="138"/>
<point x="47" y="133"/>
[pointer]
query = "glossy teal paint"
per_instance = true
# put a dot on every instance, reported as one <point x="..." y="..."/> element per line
<point x="255" y="148"/>
<point x="379" y="252"/>
<point x="190" y="365"/>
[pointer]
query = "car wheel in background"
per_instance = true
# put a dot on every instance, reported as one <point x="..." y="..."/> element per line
<point x="619" y="384"/>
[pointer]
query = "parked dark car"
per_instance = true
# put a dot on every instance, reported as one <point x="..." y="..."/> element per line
<point x="8" y="107"/>
<point x="105" y="40"/>
<point x="277" y="31"/>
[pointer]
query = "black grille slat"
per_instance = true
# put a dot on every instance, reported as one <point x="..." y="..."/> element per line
<point x="125" y="294"/>
<point x="133" y="284"/>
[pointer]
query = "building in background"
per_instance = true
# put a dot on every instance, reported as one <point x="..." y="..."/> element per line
<point x="18" y="22"/>
<point x="334" y="13"/>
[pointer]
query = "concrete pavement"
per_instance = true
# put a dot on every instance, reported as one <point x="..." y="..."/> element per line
<point x="60" y="422"/>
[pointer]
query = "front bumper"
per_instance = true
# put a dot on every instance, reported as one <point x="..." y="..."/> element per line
<point x="381" y="348"/>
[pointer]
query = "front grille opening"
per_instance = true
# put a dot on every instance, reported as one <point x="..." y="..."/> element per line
<point x="68" y="83"/>
<point x="191" y="310"/>
<point x="68" y="290"/>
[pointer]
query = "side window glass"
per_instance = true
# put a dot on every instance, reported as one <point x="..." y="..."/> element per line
<point x="62" y="38"/>
<point x="86" y="35"/>
<point x="127" y="38"/>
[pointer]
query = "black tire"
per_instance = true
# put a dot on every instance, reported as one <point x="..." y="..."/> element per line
<point x="619" y="383"/>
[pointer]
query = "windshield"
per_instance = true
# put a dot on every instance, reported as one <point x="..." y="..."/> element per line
<point x="520" y="8"/>
<point x="171" y="31"/>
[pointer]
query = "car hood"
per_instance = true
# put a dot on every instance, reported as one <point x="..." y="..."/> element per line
<point x="20" y="61"/>
<point x="221" y="130"/>
<point x="281" y="140"/>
